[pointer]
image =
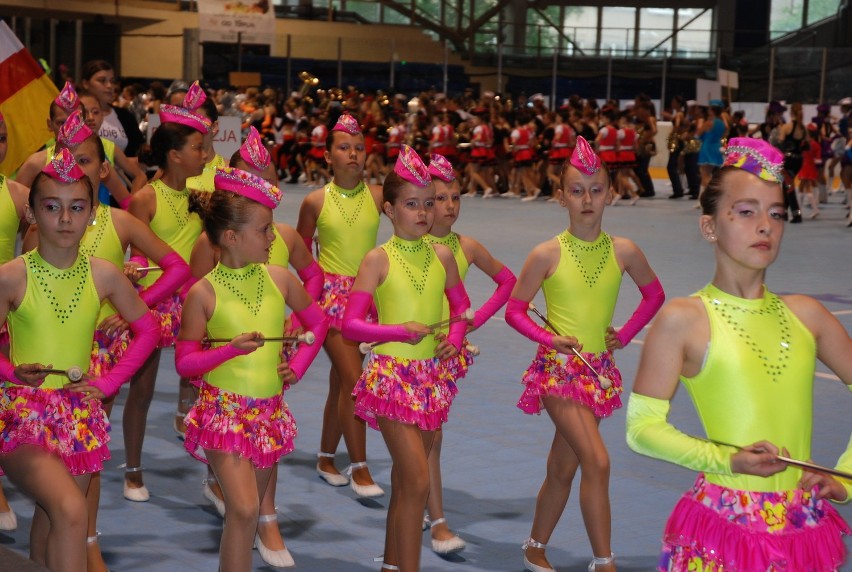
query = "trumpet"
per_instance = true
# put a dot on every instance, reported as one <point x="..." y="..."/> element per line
<point x="308" y="81"/>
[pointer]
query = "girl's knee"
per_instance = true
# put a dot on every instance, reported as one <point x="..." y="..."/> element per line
<point x="597" y="465"/>
<point x="242" y="513"/>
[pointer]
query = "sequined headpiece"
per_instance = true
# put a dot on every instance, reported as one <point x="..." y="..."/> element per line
<point x="194" y="97"/>
<point x="347" y="124"/>
<point x="64" y="168"/>
<point x="67" y="98"/>
<point x="755" y="156"/>
<point x="248" y="185"/>
<point x="74" y="131"/>
<point x="254" y="152"/>
<point x="584" y="158"/>
<point x="185" y="113"/>
<point x="410" y="167"/>
<point x="441" y="168"/>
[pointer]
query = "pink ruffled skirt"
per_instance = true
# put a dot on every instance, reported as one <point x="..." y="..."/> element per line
<point x="567" y="377"/>
<point x="457" y="366"/>
<point x="107" y="351"/>
<point x="334" y="298"/>
<point x="716" y="529"/>
<point x="260" y="429"/>
<point x="56" y="421"/>
<point x="410" y="391"/>
<point x="167" y="314"/>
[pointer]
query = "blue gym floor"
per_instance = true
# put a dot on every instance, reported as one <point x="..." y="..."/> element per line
<point x="494" y="455"/>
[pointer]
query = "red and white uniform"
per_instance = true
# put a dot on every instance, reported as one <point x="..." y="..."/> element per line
<point x="396" y="136"/>
<point x="607" y="142"/>
<point x="318" y="136"/>
<point x="483" y="143"/>
<point x="522" y="145"/>
<point x="627" y="147"/>
<point x="564" y="141"/>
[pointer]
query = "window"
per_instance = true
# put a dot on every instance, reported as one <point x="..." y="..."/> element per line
<point x="821" y="9"/>
<point x="696" y="38"/>
<point x="617" y="30"/>
<point x="655" y="26"/>
<point x="785" y="16"/>
<point x="581" y="25"/>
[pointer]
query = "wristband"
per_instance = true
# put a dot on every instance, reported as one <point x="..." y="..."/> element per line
<point x="314" y="320"/>
<point x="653" y="297"/>
<point x="505" y="280"/>
<point x="357" y="328"/>
<point x="192" y="361"/>
<point x="146" y="335"/>
<point x="459" y="303"/>
<point x="518" y="318"/>
<point x="175" y="272"/>
<point x="312" y="278"/>
<point x="649" y="433"/>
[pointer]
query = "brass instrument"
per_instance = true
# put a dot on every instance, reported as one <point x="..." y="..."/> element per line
<point x="692" y="145"/>
<point x="308" y="81"/>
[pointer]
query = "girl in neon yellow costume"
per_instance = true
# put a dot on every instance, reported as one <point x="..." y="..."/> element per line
<point x="744" y="354"/>
<point x="408" y="383"/>
<point x="345" y="216"/>
<point x="53" y="434"/>
<point x="467" y="252"/>
<point x="240" y="419"/>
<point x="287" y="248"/>
<point x="13" y="199"/>
<point x="111" y="232"/>
<point x="177" y="148"/>
<point x="580" y="272"/>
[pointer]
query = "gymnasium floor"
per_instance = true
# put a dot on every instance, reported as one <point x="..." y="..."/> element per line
<point x="493" y="454"/>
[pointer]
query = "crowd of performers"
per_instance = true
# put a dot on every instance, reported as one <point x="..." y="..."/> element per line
<point x="208" y="274"/>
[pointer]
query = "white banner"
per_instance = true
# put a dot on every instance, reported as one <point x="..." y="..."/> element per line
<point x="221" y="20"/>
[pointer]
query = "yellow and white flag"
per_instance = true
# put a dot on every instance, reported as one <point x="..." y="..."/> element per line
<point x="25" y="96"/>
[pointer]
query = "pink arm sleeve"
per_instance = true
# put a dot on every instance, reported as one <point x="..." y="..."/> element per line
<point x="312" y="277"/>
<point x="357" y="328"/>
<point x="652" y="300"/>
<point x="125" y="203"/>
<point x="459" y="304"/>
<point x="146" y="335"/>
<point x="314" y="320"/>
<point x="175" y="273"/>
<point x="505" y="280"/>
<point x="190" y="282"/>
<point x="517" y="317"/>
<point x="192" y="361"/>
<point x="7" y="370"/>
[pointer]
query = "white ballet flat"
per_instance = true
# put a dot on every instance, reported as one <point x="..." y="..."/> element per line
<point x="600" y="560"/>
<point x="367" y="491"/>
<point x="8" y="520"/>
<point x="529" y="565"/>
<point x="454" y="544"/>
<point x="335" y="480"/>
<point x="208" y="493"/>
<point x="140" y="494"/>
<point x="277" y="558"/>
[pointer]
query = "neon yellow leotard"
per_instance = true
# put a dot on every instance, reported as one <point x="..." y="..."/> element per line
<point x="247" y="300"/>
<point x="452" y="242"/>
<point x="756" y="382"/>
<point x="347" y="226"/>
<point x="279" y="254"/>
<point x="59" y="305"/>
<point x="412" y="291"/>
<point x="9" y="222"/>
<point x="101" y="241"/>
<point x="582" y="292"/>
<point x="173" y="223"/>
<point x="204" y="181"/>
